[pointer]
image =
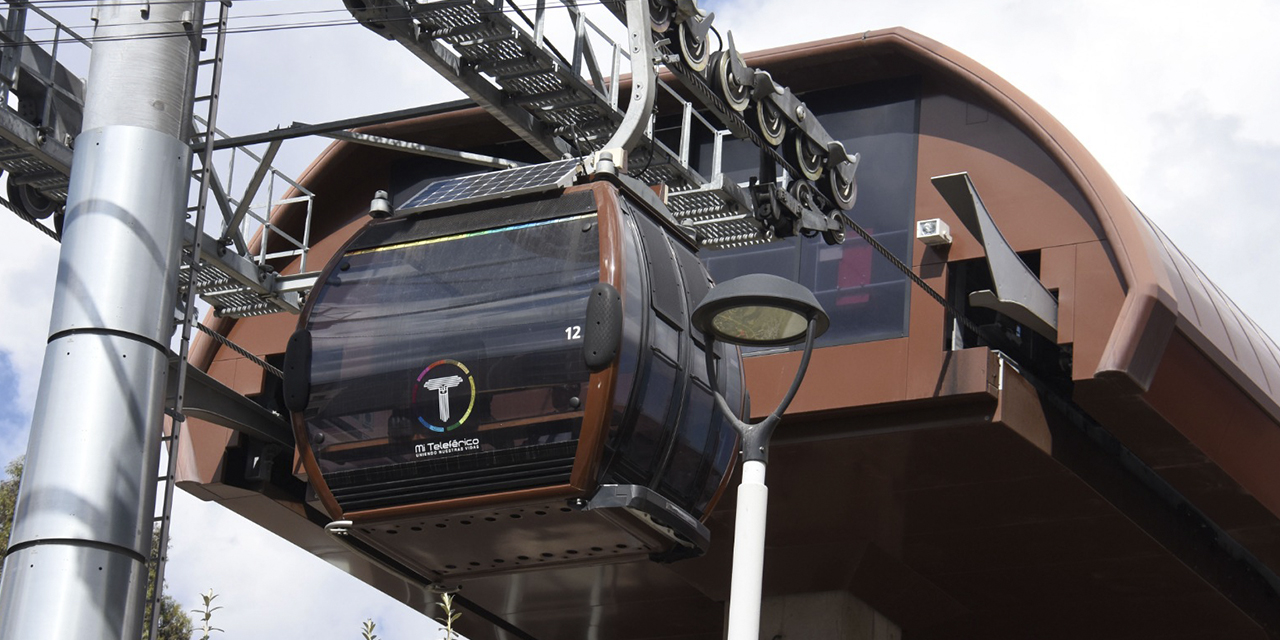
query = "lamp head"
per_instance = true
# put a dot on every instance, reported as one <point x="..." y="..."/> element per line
<point x="759" y="310"/>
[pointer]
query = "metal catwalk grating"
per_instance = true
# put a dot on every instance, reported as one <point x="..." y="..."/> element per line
<point x="500" y="53"/>
<point x="36" y="155"/>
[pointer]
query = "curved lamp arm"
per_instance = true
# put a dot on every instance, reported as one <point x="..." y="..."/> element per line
<point x="755" y="437"/>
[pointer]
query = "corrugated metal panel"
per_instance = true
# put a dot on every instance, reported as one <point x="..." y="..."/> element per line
<point x="1205" y="308"/>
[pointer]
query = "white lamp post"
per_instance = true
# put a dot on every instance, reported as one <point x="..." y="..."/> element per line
<point x="756" y="310"/>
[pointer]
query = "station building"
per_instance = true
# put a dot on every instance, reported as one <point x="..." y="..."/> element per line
<point x="1117" y="480"/>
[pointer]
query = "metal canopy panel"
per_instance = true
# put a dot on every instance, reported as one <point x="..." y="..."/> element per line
<point x="489" y="186"/>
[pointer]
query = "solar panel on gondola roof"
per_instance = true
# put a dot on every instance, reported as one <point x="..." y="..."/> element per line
<point x="485" y="186"/>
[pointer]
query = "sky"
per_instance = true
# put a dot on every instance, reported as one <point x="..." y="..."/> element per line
<point x="1175" y="98"/>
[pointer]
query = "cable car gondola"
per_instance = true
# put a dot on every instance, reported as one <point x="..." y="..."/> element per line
<point x="498" y="378"/>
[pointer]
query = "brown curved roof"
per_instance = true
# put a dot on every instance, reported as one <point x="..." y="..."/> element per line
<point x="1161" y="283"/>
<point x="1218" y="326"/>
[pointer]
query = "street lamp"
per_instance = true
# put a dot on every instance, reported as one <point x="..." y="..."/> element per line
<point x="756" y="310"/>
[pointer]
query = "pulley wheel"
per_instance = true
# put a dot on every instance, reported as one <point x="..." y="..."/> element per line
<point x="659" y="16"/>
<point x="809" y="157"/>
<point x="843" y="185"/>
<point x="737" y="96"/>
<point x="30" y="201"/>
<point x="773" y="127"/>
<point x="694" y="52"/>
<point x="803" y="191"/>
<point x="834" y="236"/>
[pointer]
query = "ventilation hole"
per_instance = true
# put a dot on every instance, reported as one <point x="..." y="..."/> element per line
<point x="572" y="552"/>
<point x="522" y="557"/>
<point x="415" y="528"/>
<point x="474" y="564"/>
<point x="621" y="546"/>
<point x="548" y="555"/>
<point x="366" y="531"/>
<point x="441" y="525"/>
<point x="566" y="509"/>
<point x="515" y="516"/>
<point x="597" y="549"/>
<point x="498" y="561"/>
<point x="540" y="513"/>
<point x="493" y="519"/>
<point x="464" y="522"/>
<point x="451" y="566"/>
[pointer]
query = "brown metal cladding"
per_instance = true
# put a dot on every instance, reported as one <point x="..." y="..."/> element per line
<point x="304" y="455"/>
<point x="599" y="400"/>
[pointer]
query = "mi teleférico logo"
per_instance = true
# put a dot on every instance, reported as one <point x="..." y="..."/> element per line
<point x="448" y="393"/>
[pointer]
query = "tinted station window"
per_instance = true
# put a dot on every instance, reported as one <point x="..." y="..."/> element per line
<point x="866" y="297"/>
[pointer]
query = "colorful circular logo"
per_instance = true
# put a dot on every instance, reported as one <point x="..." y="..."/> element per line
<point x="444" y="394"/>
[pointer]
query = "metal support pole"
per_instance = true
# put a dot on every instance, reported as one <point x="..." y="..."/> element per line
<point x="747" y="581"/>
<point x="77" y="561"/>
<point x="746" y="584"/>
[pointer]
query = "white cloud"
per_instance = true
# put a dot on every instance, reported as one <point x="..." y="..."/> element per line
<point x="1210" y="186"/>
<point x="269" y="588"/>
<point x="29" y="265"/>
<point x="276" y="78"/>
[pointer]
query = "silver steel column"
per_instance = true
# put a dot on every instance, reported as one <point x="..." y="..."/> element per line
<point x="76" y="566"/>
<point x="644" y="80"/>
